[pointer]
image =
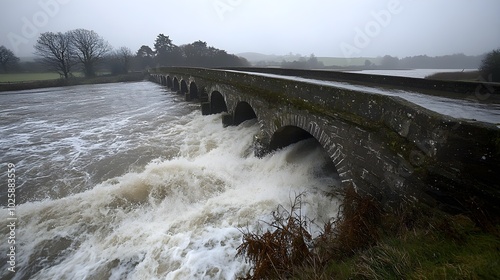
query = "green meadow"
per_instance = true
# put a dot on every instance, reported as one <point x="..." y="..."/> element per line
<point x="27" y="77"/>
<point x="23" y="81"/>
<point x="33" y="77"/>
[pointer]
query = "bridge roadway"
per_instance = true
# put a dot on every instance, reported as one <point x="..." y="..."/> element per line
<point x="470" y="107"/>
<point x="387" y="136"/>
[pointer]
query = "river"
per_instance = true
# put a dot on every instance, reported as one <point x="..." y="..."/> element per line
<point x="129" y="181"/>
<point x="411" y="73"/>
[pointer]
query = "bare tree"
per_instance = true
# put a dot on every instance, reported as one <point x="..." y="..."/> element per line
<point x="89" y="49"/>
<point x="120" y="60"/>
<point x="7" y="58"/>
<point x="125" y="56"/>
<point x="56" y="52"/>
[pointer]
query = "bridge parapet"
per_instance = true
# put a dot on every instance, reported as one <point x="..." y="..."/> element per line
<point x="383" y="145"/>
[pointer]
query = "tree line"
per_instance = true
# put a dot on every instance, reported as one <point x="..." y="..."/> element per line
<point x="311" y="63"/>
<point x="196" y="54"/>
<point x="61" y="52"/>
<point x="454" y="61"/>
<point x="488" y="64"/>
<point x="86" y="51"/>
<point x="8" y="60"/>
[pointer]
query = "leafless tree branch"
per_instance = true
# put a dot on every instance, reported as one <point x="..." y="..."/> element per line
<point x="55" y="51"/>
<point x="89" y="48"/>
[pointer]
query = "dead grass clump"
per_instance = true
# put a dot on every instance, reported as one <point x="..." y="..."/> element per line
<point x="357" y="226"/>
<point x="410" y="241"/>
<point x="289" y="245"/>
<point x="275" y="253"/>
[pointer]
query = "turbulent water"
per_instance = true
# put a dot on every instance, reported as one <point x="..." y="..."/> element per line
<point x="128" y="181"/>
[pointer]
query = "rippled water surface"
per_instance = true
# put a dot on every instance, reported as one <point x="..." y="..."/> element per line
<point x="128" y="181"/>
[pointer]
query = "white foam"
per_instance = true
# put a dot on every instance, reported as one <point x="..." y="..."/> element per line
<point x="177" y="216"/>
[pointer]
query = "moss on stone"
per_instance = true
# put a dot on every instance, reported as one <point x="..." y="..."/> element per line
<point x="404" y="131"/>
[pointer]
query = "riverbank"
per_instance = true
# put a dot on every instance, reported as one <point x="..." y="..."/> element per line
<point x="412" y="241"/>
<point x="130" y="77"/>
<point x="457" y="76"/>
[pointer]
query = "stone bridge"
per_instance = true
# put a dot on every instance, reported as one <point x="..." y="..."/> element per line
<point x="382" y="145"/>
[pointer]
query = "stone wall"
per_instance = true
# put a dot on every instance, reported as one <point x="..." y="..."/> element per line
<point x="383" y="145"/>
<point x="464" y="89"/>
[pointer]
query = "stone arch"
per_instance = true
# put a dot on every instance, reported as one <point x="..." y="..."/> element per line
<point x="163" y="81"/>
<point x="193" y="90"/>
<point x="217" y="103"/>
<point x="175" y="86"/>
<point x="184" y="87"/>
<point x="300" y="128"/>
<point x="169" y="82"/>
<point x="243" y="112"/>
<point x="287" y="135"/>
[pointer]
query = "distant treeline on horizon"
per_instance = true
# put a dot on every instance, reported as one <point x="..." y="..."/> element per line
<point x="91" y="53"/>
<point x="199" y="54"/>
<point x="454" y="61"/>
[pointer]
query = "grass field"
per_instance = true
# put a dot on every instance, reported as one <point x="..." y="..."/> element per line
<point x="32" y="77"/>
<point x="27" y="77"/>
<point x="456" y="76"/>
<point x="46" y="80"/>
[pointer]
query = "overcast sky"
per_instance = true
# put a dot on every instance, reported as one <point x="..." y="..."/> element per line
<point x="340" y="28"/>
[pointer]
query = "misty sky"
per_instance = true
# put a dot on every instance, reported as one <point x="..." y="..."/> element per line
<point x="341" y="28"/>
